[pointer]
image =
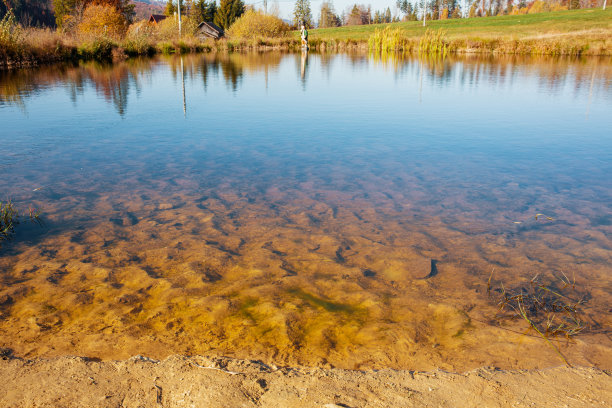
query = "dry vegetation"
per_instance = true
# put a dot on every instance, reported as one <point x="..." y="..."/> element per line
<point x="255" y="25"/>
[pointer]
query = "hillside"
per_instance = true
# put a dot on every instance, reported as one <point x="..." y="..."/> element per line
<point x="32" y="13"/>
<point x="582" y="23"/>
<point x="145" y="8"/>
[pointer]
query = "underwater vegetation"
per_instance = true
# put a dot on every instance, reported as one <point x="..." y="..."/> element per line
<point x="10" y="219"/>
<point x="550" y="307"/>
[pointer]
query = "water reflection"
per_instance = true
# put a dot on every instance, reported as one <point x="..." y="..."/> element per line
<point x="115" y="82"/>
<point x="303" y="67"/>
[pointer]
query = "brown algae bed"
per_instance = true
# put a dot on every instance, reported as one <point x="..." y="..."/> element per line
<point x="287" y="279"/>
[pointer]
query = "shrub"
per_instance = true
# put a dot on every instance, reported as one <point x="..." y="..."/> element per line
<point x="140" y="39"/>
<point x="168" y="28"/>
<point x="103" y="20"/>
<point x="99" y="49"/>
<point x="11" y="35"/>
<point x="166" y="47"/>
<point x="254" y="24"/>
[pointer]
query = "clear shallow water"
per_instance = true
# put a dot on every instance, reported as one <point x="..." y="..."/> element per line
<point x="288" y="209"/>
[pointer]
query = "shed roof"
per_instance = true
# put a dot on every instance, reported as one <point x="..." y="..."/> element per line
<point x="156" y="18"/>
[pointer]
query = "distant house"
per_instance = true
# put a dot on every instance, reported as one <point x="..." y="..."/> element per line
<point x="207" y="29"/>
<point x="156" y="18"/>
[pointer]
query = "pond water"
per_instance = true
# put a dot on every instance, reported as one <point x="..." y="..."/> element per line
<point x="334" y="210"/>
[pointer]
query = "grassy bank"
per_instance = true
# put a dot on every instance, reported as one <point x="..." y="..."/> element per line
<point x="575" y="32"/>
<point x="579" y="32"/>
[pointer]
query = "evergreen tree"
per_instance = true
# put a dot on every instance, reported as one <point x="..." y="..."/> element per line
<point x="301" y="13"/>
<point x="377" y="17"/>
<point x="170" y="9"/>
<point x="228" y="12"/>
<point x="204" y="10"/>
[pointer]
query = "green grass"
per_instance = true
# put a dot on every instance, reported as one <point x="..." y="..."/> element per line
<point x="590" y="23"/>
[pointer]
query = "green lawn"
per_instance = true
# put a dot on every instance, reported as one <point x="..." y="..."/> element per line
<point x="591" y="22"/>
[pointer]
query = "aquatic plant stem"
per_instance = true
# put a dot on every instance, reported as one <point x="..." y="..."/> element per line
<point x="521" y="310"/>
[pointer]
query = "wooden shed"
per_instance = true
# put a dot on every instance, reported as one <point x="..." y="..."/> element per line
<point x="208" y="29"/>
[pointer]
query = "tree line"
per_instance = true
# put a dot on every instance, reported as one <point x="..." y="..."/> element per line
<point x="405" y="10"/>
<point x="49" y="13"/>
<point x="222" y="15"/>
<point x="60" y="12"/>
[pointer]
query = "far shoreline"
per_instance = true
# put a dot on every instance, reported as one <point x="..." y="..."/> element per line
<point x="584" y="32"/>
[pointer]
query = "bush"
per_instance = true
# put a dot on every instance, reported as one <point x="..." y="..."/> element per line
<point x="11" y="35"/>
<point x="254" y="24"/>
<point x="140" y="39"/>
<point x="103" y="21"/>
<point x="166" y="47"/>
<point x="168" y="28"/>
<point x="99" y="49"/>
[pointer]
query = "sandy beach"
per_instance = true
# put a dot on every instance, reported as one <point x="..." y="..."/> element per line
<point x="181" y="381"/>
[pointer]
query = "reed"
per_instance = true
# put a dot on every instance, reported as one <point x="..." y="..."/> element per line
<point x="552" y="308"/>
<point x="387" y="40"/>
<point x="434" y="42"/>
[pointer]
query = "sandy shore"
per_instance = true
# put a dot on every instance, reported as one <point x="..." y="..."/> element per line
<point x="180" y="381"/>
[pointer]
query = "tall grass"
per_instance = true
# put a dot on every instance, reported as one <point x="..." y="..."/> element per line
<point x="434" y="42"/>
<point x="390" y="40"/>
<point x="386" y="40"/>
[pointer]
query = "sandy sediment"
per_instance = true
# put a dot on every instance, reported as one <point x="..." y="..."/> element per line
<point x="181" y="381"/>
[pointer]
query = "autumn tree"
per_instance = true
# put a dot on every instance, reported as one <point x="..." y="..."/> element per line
<point x="103" y="20"/>
<point x="74" y="8"/>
